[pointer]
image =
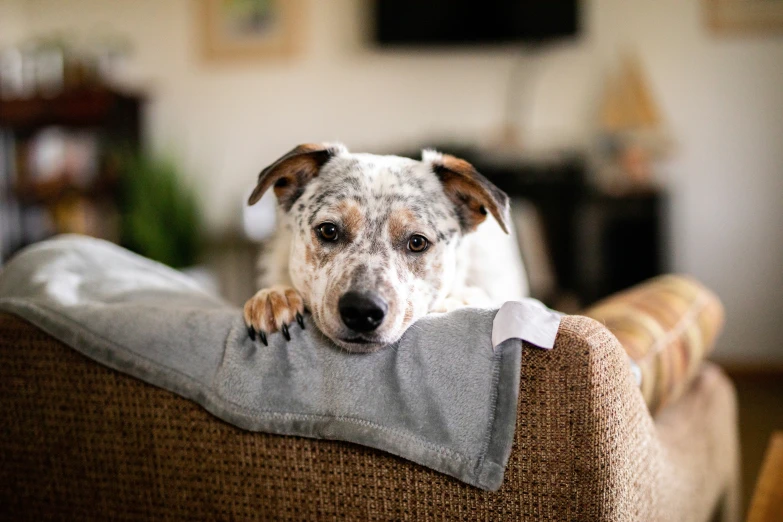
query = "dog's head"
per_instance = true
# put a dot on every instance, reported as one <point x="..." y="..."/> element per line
<point x="375" y="238"/>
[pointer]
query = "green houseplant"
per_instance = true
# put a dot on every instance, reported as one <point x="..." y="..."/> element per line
<point x="160" y="218"/>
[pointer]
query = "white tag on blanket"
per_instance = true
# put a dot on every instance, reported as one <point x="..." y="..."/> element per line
<point x="528" y="320"/>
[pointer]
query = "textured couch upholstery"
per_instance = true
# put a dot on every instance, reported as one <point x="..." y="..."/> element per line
<point x="80" y="441"/>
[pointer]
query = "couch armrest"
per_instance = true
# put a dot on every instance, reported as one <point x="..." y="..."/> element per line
<point x="585" y="432"/>
<point x="89" y="442"/>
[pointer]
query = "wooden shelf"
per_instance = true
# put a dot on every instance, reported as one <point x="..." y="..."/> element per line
<point x="80" y="108"/>
<point x="54" y="189"/>
<point x="74" y="202"/>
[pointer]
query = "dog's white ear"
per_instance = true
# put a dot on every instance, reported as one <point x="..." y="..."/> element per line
<point x="470" y="192"/>
<point x="293" y="171"/>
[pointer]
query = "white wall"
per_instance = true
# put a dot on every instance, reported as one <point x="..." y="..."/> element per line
<point x="227" y="121"/>
<point x="12" y="23"/>
<point x="723" y="99"/>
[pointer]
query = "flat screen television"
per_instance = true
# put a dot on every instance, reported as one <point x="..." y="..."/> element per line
<point x="441" y="23"/>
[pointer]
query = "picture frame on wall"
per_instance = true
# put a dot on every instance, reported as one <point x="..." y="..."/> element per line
<point x="744" y="16"/>
<point x="242" y="30"/>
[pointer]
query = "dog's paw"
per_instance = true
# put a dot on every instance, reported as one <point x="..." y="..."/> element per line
<point x="272" y="310"/>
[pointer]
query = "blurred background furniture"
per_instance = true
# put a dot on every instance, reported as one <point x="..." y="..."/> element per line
<point x="91" y="443"/>
<point x="767" y="503"/>
<point x="59" y="170"/>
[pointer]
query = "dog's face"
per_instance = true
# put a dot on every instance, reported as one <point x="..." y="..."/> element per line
<point x="374" y="238"/>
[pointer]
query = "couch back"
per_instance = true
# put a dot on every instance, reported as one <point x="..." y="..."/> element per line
<point x="86" y="441"/>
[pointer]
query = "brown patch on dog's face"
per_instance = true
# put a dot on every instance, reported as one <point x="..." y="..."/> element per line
<point x="401" y="222"/>
<point x="351" y="216"/>
<point x="310" y="257"/>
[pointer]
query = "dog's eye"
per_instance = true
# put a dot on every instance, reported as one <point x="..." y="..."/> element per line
<point x="327" y="231"/>
<point x="418" y="243"/>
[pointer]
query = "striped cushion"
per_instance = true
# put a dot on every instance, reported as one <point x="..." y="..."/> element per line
<point x="667" y="325"/>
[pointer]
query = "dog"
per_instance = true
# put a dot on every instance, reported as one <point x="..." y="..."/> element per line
<point x="369" y="244"/>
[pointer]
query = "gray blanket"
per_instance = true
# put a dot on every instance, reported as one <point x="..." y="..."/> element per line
<point x="441" y="397"/>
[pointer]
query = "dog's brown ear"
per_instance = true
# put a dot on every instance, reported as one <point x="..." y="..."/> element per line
<point x="472" y="194"/>
<point x="293" y="171"/>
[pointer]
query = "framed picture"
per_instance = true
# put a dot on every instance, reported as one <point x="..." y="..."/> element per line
<point x="250" y="29"/>
<point x="744" y="16"/>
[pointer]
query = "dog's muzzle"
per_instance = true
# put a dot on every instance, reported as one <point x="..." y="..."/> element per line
<point x="362" y="311"/>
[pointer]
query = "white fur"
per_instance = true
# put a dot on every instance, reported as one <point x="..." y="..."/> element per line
<point x="483" y="268"/>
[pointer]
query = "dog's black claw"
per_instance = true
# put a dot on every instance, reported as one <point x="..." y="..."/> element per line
<point x="263" y="337"/>
<point x="251" y="332"/>
<point x="300" y="320"/>
<point x="287" y="335"/>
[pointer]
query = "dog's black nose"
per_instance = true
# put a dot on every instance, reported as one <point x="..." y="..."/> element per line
<point x="362" y="312"/>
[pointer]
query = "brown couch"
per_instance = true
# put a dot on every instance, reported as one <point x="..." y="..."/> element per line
<point x="80" y="441"/>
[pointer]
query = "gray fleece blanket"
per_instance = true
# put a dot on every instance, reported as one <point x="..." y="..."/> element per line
<point x="441" y="396"/>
